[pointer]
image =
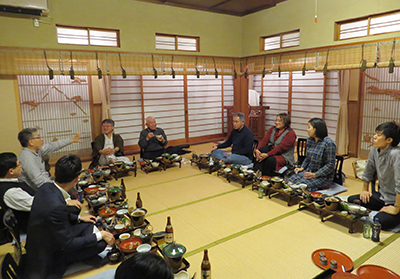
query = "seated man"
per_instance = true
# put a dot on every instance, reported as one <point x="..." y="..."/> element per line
<point x="152" y="140"/>
<point x="33" y="168"/>
<point x="13" y="194"/>
<point x="108" y="147"/>
<point x="241" y="139"/>
<point x="56" y="236"/>
<point x="383" y="160"/>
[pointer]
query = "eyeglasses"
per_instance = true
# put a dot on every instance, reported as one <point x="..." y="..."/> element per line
<point x="36" y="138"/>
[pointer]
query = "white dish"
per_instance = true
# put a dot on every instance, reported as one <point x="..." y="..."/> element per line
<point x="124" y="236"/>
<point x="181" y="275"/>
<point x="226" y="170"/>
<point x="102" y="199"/>
<point x="249" y="171"/>
<point x="143" y="248"/>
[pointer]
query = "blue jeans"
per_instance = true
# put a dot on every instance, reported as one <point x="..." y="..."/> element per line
<point x="232" y="158"/>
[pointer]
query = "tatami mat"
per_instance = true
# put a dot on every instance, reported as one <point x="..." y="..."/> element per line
<point x="247" y="237"/>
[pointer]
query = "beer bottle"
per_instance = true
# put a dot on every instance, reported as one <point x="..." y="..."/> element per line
<point x="139" y="203"/>
<point x="205" y="266"/>
<point x="169" y="232"/>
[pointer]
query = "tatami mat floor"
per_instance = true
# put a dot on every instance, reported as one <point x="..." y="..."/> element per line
<point x="247" y="237"/>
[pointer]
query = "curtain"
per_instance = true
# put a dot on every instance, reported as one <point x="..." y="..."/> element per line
<point x="342" y="134"/>
<point x="105" y="95"/>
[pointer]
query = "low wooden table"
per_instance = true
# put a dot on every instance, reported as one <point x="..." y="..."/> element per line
<point x="206" y="166"/>
<point x="325" y="214"/>
<point x="171" y="163"/>
<point x="292" y="197"/>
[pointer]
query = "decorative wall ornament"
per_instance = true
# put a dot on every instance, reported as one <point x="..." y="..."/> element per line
<point x="375" y="90"/>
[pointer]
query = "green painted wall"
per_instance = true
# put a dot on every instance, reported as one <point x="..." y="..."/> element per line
<point x="10" y="114"/>
<point x="137" y="21"/>
<point x="299" y="14"/>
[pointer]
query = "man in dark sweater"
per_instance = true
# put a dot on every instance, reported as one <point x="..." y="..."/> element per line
<point x="152" y="139"/>
<point x="241" y="139"/>
<point x="13" y="194"/>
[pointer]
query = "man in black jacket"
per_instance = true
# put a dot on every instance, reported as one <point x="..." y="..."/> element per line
<point x="14" y="194"/>
<point x="57" y="236"/>
<point x="241" y="139"/>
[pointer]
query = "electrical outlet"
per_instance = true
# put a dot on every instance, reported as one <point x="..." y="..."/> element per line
<point x="36" y="22"/>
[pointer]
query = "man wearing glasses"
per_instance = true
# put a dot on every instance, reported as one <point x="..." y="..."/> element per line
<point x="33" y="168"/>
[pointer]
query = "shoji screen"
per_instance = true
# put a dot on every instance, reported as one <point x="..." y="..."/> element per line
<point x="381" y="102"/>
<point x="204" y="105"/>
<point x="307" y="100"/>
<point x="275" y="95"/>
<point x="163" y="98"/>
<point x="227" y="97"/>
<point x="126" y="107"/>
<point x="58" y="108"/>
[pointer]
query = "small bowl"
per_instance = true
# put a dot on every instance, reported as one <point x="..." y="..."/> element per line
<point x="264" y="183"/>
<point x="95" y="202"/>
<point x="159" y="235"/>
<point x="143" y="248"/>
<point x="158" y="136"/>
<point x="121" y="212"/>
<point x="124" y="236"/>
<point x="227" y="170"/>
<point x="331" y="203"/>
<point x="102" y="190"/>
<point x="102" y="200"/>
<point x="249" y="171"/>
<point x="155" y="164"/>
<point x="244" y="168"/>
<point x="119" y="227"/>
<point x="181" y="275"/>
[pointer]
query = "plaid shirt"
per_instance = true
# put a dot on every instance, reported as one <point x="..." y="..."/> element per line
<point x="320" y="159"/>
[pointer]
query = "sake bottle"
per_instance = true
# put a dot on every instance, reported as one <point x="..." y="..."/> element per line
<point x="169" y="232"/>
<point x="205" y="266"/>
<point x="139" y="203"/>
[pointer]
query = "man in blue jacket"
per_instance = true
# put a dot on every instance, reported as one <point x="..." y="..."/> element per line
<point x="241" y="139"/>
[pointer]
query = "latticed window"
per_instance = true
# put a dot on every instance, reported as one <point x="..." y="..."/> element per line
<point x="282" y="40"/>
<point x="368" y="26"/>
<point x="176" y="42"/>
<point x="87" y="36"/>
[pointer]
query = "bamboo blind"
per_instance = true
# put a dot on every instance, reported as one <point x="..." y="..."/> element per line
<point x="33" y="62"/>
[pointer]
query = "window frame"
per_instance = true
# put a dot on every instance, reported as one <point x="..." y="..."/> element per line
<point x="197" y="38"/>
<point x="368" y="18"/>
<point x="280" y="35"/>
<point x="88" y="29"/>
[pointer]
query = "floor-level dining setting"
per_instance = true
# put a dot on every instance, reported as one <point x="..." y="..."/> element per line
<point x="199" y="139"/>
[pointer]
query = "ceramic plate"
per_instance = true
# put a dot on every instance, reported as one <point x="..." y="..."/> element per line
<point x="375" y="271"/>
<point x="129" y="245"/>
<point x="105" y="214"/>
<point x="339" y="257"/>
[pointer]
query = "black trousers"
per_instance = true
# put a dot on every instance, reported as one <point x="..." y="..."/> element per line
<point x="268" y="165"/>
<point x="82" y="229"/>
<point x="387" y="221"/>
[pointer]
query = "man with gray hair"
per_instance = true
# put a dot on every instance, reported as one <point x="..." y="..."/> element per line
<point x="241" y="139"/>
<point x="152" y="139"/>
<point x="33" y="169"/>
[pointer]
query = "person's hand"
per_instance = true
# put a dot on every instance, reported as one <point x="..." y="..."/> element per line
<point x="257" y="152"/>
<point x="161" y="139"/>
<point x="309" y="175"/>
<point x="89" y="219"/>
<point x="262" y="156"/>
<point x="297" y="170"/>
<point x="149" y="136"/>
<point x="214" y="148"/>
<point x="390" y="209"/>
<point x="76" y="139"/>
<point x="107" y="237"/>
<point x="107" y="151"/>
<point x="364" y="196"/>
<point x="226" y="154"/>
<point x="75" y="203"/>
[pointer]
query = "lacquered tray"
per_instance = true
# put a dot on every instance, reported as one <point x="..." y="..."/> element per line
<point x="376" y="271"/>
<point x="341" y="259"/>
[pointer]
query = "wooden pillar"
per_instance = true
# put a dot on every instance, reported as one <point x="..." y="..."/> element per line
<point x="241" y="96"/>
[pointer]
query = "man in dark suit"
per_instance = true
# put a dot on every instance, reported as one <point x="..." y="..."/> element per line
<point x="56" y="235"/>
<point x="13" y="194"/>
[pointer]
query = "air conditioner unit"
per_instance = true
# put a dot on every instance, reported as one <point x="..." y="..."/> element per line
<point x="26" y="7"/>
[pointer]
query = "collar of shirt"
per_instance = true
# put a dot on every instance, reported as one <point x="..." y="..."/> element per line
<point x="8" y="179"/>
<point x="30" y="150"/>
<point x="63" y="192"/>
